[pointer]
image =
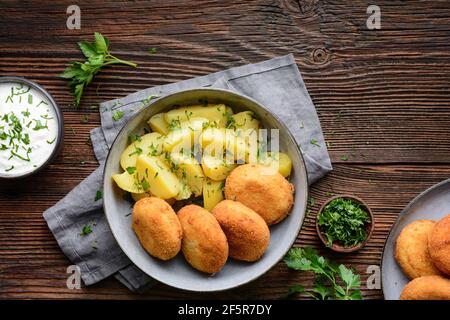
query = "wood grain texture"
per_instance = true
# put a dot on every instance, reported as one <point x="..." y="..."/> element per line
<point x="382" y="98"/>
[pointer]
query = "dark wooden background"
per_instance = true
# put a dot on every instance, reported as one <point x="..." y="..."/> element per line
<point x="382" y="98"/>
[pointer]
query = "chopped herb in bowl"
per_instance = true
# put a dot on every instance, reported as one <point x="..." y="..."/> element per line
<point x="344" y="223"/>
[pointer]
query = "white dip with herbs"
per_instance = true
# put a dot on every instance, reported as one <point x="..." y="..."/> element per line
<point x="28" y="129"/>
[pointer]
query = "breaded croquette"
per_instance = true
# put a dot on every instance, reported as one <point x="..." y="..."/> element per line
<point x="411" y="251"/>
<point x="427" y="288"/>
<point x="247" y="233"/>
<point x="439" y="245"/>
<point x="204" y="244"/>
<point x="262" y="189"/>
<point x="157" y="227"/>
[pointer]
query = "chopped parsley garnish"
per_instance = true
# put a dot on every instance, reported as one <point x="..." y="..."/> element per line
<point x="344" y="157"/>
<point x="84" y="119"/>
<point x="98" y="195"/>
<point x="51" y="141"/>
<point x="314" y="142"/>
<point x="9" y="169"/>
<point x="174" y="124"/>
<point x="131" y="170"/>
<point x="118" y="115"/>
<point x="344" y="221"/>
<point x="136" y="151"/>
<point x="152" y="50"/>
<point x="87" y="229"/>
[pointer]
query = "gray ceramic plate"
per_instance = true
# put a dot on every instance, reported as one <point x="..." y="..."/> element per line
<point x="433" y="204"/>
<point x="176" y="272"/>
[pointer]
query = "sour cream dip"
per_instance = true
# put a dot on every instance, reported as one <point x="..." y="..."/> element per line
<point x="30" y="124"/>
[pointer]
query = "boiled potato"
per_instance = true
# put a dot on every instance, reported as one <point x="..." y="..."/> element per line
<point x="159" y="124"/>
<point x="213" y="112"/>
<point x="244" y="121"/>
<point x="127" y="182"/>
<point x="185" y="192"/>
<point x="148" y="144"/>
<point x="184" y="136"/>
<point x="212" y="193"/>
<point x="190" y="171"/>
<point x="279" y="161"/>
<point x="157" y="227"/>
<point x="216" y="168"/>
<point x="154" y="175"/>
<point x="217" y="140"/>
<point x="235" y="147"/>
<point x="204" y="244"/>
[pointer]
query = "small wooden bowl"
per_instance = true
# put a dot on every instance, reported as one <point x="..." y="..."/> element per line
<point x="335" y="246"/>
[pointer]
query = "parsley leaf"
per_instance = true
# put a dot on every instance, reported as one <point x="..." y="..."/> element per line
<point x="329" y="276"/>
<point x="98" y="195"/>
<point x="80" y="75"/>
<point x="117" y="115"/>
<point x="131" y="170"/>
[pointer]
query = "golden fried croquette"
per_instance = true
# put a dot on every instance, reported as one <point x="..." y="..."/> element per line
<point x="247" y="233"/>
<point x="157" y="227"/>
<point x="439" y="245"/>
<point x="411" y="251"/>
<point x="262" y="189"/>
<point x="427" y="288"/>
<point x="204" y="244"/>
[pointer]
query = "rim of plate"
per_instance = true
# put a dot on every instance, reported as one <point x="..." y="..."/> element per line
<point x="397" y="222"/>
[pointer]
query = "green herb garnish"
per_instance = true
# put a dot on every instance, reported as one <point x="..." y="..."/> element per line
<point x="344" y="157"/>
<point x="98" y="195"/>
<point x="98" y="56"/>
<point x="174" y="124"/>
<point x="86" y="230"/>
<point x="344" y="221"/>
<point x="314" y="142"/>
<point x="9" y="169"/>
<point x="152" y="50"/>
<point x="331" y="282"/>
<point x="131" y="170"/>
<point x="118" y="115"/>
<point x="84" y="119"/>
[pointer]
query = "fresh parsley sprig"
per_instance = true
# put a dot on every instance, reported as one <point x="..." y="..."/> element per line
<point x="332" y="281"/>
<point x="98" y="56"/>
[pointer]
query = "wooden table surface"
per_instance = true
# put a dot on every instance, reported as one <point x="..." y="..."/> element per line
<point x="382" y="98"/>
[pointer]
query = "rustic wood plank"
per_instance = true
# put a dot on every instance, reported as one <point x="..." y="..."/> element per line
<point x="382" y="98"/>
<point x="32" y="265"/>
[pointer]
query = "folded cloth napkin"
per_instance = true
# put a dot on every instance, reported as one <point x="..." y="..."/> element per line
<point x="275" y="83"/>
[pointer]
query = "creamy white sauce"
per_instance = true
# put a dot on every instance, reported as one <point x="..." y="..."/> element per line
<point x="28" y="129"/>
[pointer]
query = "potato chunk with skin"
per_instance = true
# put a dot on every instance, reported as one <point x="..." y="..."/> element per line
<point x="247" y="233"/>
<point x="155" y="176"/>
<point x="127" y="182"/>
<point x="212" y="193"/>
<point x="148" y="144"/>
<point x="204" y="244"/>
<point x="159" y="124"/>
<point x="216" y="168"/>
<point x="157" y="227"/>
<point x="213" y="112"/>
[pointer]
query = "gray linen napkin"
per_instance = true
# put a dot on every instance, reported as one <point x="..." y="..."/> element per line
<point x="275" y="83"/>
